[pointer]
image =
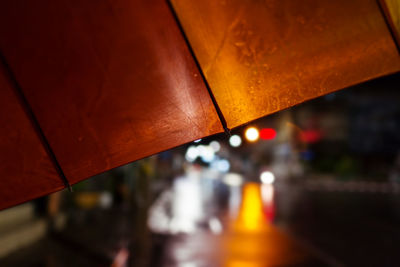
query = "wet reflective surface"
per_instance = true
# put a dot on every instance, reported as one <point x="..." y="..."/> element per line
<point x="21" y="152"/>
<point x="252" y="224"/>
<point x="316" y="185"/>
<point x="109" y="82"/>
<point x="263" y="56"/>
<point x="235" y="231"/>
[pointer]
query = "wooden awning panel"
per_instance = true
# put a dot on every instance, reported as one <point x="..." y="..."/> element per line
<point x="260" y="57"/>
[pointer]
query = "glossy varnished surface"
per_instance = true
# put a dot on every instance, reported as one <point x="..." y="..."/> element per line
<point x="26" y="171"/>
<point x="263" y="56"/>
<point x="109" y="81"/>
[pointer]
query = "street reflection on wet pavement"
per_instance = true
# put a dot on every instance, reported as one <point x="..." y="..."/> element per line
<point x="207" y="218"/>
<point x="234" y="230"/>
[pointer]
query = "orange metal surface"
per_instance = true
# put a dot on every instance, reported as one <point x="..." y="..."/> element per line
<point x="25" y="169"/>
<point x="263" y="56"/>
<point x="109" y="81"/>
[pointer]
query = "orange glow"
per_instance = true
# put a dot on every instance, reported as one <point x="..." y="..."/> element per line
<point x="243" y="263"/>
<point x="251" y="216"/>
<point x="252" y="134"/>
<point x="254" y="241"/>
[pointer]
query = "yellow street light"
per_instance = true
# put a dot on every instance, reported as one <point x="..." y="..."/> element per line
<point x="252" y="134"/>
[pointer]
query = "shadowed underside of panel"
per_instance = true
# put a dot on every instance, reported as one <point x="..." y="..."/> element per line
<point x="260" y="57"/>
<point x="26" y="171"/>
<point x="110" y="82"/>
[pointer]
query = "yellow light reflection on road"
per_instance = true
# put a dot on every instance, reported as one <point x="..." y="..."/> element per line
<point x="251" y="217"/>
<point x="254" y="241"/>
<point x="242" y="263"/>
